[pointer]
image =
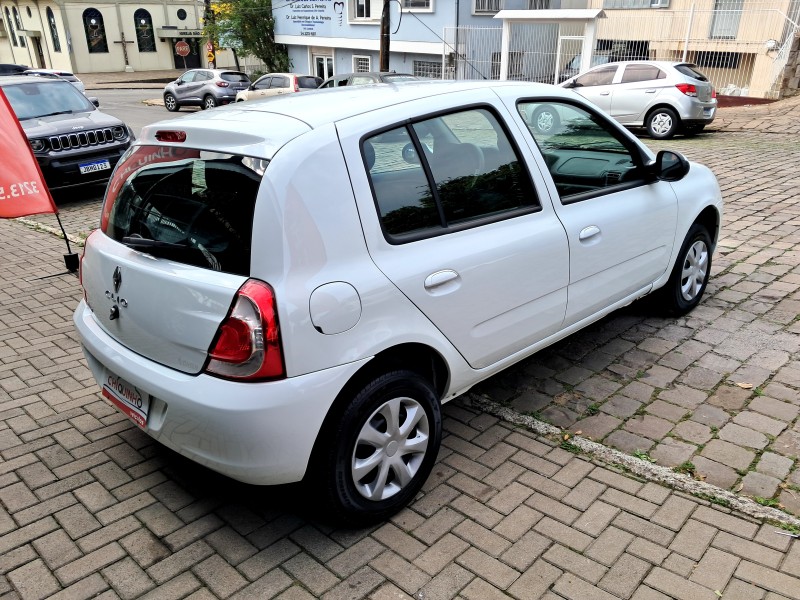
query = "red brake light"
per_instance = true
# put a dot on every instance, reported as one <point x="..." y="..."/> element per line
<point x="296" y="85"/>
<point x="222" y="84"/>
<point x="713" y="93"/>
<point x="171" y="136"/>
<point x="247" y="346"/>
<point x="687" y="88"/>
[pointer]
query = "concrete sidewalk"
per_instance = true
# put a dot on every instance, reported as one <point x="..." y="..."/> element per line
<point x="91" y="507"/>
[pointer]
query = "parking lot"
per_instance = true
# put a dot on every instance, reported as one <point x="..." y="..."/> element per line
<point x="91" y="507"/>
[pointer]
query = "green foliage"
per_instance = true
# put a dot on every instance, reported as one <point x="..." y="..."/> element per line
<point x="644" y="456"/>
<point x="569" y="447"/>
<point x="771" y="502"/>
<point x="687" y="467"/>
<point x="249" y="26"/>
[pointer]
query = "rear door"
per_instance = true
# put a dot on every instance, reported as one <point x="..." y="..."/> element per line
<point x="278" y="86"/>
<point x="456" y="221"/>
<point x="639" y="88"/>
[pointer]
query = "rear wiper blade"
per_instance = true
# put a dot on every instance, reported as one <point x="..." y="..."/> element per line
<point x="140" y="242"/>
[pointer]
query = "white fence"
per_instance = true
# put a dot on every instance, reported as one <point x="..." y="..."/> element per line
<point x="743" y="51"/>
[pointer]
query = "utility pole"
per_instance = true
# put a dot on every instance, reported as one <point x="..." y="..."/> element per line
<point x="384" y="56"/>
<point x="209" y="20"/>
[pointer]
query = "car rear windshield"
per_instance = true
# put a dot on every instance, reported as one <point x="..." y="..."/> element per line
<point x="235" y="77"/>
<point x="309" y="83"/>
<point x="187" y="205"/>
<point x="690" y="71"/>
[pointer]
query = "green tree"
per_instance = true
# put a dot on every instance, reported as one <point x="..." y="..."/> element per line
<point x="248" y="27"/>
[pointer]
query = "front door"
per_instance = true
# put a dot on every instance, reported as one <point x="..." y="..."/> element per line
<point x="37" y="43"/>
<point x="323" y="66"/>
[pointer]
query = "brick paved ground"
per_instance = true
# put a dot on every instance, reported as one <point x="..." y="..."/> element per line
<point x="90" y="507"/>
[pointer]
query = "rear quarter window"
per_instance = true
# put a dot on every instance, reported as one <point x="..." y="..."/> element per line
<point x="691" y="71"/>
<point x="186" y="205"/>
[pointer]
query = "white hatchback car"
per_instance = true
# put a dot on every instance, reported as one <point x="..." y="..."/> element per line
<point x="280" y="293"/>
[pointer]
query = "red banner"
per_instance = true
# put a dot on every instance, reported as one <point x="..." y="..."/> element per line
<point x="22" y="187"/>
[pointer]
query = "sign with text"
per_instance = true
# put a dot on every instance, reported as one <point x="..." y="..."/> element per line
<point x="22" y="187"/>
<point x="315" y="18"/>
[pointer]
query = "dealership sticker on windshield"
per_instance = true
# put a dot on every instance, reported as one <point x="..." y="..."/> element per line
<point x="98" y="165"/>
<point x="126" y="397"/>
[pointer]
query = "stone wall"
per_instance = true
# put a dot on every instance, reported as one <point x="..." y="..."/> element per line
<point x="790" y="86"/>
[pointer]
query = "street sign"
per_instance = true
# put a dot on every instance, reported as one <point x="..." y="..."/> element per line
<point x="210" y="57"/>
<point x="209" y="47"/>
<point x="181" y="48"/>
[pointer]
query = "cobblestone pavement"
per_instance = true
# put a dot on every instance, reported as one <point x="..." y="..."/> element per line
<point x="90" y="506"/>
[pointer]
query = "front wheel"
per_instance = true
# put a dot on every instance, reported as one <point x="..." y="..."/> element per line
<point x="380" y="450"/>
<point x="209" y="102"/>
<point x="689" y="276"/>
<point x="171" y="103"/>
<point x="662" y="123"/>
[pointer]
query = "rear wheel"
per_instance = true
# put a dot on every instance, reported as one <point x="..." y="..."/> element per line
<point x="209" y="102"/>
<point x="171" y="103"/>
<point x="545" y="119"/>
<point x="662" y="123"/>
<point x="380" y="449"/>
<point x="689" y="276"/>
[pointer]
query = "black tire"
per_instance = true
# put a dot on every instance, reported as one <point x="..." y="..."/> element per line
<point x="689" y="276"/>
<point x="209" y="102"/>
<point x="662" y="123"/>
<point x="545" y="119"/>
<point x="347" y="492"/>
<point x="171" y="103"/>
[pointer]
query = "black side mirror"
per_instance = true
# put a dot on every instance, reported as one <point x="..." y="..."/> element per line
<point x="671" y="166"/>
<point x="94" y="101"/>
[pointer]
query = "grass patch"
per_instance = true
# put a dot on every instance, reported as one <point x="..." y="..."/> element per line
<point x="644" y="456"/>
<point x="770" y="502"/>
<point x="687" y="468"/>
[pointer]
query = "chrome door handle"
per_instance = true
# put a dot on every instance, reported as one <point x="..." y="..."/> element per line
<point x="588" y="232"/>
<point x="649" y="91"/>
<point x="604" y="93"/>
<point x="439" y="278"/>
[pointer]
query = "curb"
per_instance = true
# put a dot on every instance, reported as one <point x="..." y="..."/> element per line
<point x="637" y="466"/>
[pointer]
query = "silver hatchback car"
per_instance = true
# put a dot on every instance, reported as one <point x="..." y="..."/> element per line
<point x="205" y="88"/>
<point x="663" y="97"/>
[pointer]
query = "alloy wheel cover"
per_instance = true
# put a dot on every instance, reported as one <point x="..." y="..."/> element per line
<point x="390" y="448"/>
<point x="695" y="270"/>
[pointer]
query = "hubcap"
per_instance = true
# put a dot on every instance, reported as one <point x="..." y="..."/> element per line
<point x="545" y="121"/>
<point x="661" y="123"/>
<point x="695" y="268"/>
<point x="390" y="448"/>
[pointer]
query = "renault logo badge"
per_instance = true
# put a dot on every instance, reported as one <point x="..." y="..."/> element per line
<point x="117" y="279"/>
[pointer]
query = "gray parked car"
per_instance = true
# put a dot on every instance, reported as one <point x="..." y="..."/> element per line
<point x="663" y="97"/>
<point x="73" y="142"/>
<point x="205" y="88"/>
<point x="365" y="78"/>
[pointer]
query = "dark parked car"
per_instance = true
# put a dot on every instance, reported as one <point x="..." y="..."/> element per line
<point x="364" y="78"/>
<point x="73" y="141"/>
<point x="12" y="69"/>
<point x="205" y="88"/>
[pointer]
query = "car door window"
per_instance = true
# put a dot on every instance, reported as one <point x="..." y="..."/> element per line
<point x="279" y="82"/>
<point x="262" y="83"/>
<point x="634" y="73"/>
<point x="600" y="76"/>
<point x="361" y="79"/>
<point x="446" y="173"/>
<point x="585" y="154"/>
<point x="201" y="76"/>
<point x="188" y="77"/>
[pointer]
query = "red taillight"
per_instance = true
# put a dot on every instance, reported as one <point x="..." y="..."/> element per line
<point x="247" y="346"/>
<point x="688" y="89"/>
<point x="296" y="86"/>
<point x="713" y="93"/>
<point x="222" y="84"/>
<point x="171" y="136"/>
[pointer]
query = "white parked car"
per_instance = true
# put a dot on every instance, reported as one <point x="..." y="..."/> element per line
<point x="282" y="293"/>
<point x="277" y="84"/>
<point x="58" y="74"/>
<point x="662" y="97"/>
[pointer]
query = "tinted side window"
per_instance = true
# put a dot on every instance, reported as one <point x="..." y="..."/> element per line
<point x="584" y="154"/>
<point x="635" y="73"/>
<point x="691" y="71"/>
<point x="279" y="82"/>
<point x="188" y="76"/>
<point x="361" y="79"/>
<point x="308" y="83"/>
<point x="601" y="76"/>
<point x="474" y="170"/>
<point x="263" y="83"/>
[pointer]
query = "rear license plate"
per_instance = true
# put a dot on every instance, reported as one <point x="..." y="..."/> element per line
<point x="98" y="165"/>
<point x="707" y="112"/>
<point x="126" y="397"/>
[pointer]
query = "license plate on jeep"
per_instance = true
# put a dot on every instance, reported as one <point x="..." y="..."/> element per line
<point x="127" y="398"/>
<point x="98" y="165"/>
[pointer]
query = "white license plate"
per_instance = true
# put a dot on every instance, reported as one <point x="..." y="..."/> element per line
<point x="127" y="398"/>
<point x="707" y="112"/>
<point x="98" y="165"/>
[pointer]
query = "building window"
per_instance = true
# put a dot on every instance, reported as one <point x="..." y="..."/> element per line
<point x="428" y="68"/>
<point x="28" y="10"/>
<point x="18" y="23"/>
<point x="95" y="30"/>
<point x="181" y="14"/>
<point x="10" y="24"/>
<point x="417" y="4"/>
<point x="538" y="4"/>
<point x="488" y="6"/>
<point x="362" y="9"/>
<point x="144" y="31"/>
<point x="361" y="64"/>
<point x="718" y="60"/>
<point x="51" y="21"/>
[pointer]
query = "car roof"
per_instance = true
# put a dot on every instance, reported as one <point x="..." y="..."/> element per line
<point x="18" y="79"/>
<point x="658" y="63"/>
<point x="293" y="114"/>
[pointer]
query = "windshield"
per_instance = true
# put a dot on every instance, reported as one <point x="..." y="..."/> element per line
<point x="41" y="99"/>
<point x="187" y="205"/>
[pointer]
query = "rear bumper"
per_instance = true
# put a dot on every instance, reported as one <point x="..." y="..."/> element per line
<point x="259" y="433"/>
